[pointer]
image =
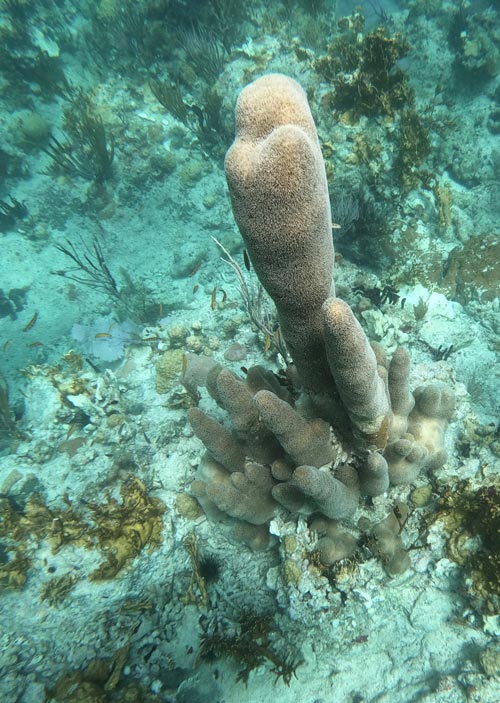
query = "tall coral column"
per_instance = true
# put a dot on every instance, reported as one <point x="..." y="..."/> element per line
<point x="279" y="194"/>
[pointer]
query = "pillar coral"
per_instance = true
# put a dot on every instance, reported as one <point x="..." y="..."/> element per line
<point x="351" y="425"/>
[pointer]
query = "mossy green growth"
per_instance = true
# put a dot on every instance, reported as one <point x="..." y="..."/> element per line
<point x="107" y="9"/>
<point x="33" y="128"/>
<point x="474" y="34"/>
<point x="343" y="55"/>
<point x="364" y="73"/>
<point x="425" y="8"/>
<point x="290" y="543"/>
<point x="291" y="572"/>
<point x="187" y="506"/>
<point x="163" y="163"/>
<point x="168" y="370"/>
<point x="475" y="435"/>
<point x="344" y="51"/>
<point x="421" y="496"/>
<point x="191" y="173"/>
<point x="472" y="514"/>
<point x="414" y="146"/>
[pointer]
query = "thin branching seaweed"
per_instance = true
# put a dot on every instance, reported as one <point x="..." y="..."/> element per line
<point x="250" y="644"/>
<point x="255" y="304"/>
<point x="86" y="152"/>
<point x="10" y="213"/>
<point x="227" y="18"/>
<point x="205" y="118"/>
<point x="205" y="52"/>
<point x="170" y="96"/>
<point x="90" y="160"/>
<point x="91" y="269"/>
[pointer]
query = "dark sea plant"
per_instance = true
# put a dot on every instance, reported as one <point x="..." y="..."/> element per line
<point x="90" y="269"/>
<point x="205" y="52"/>
<point x="86" y="152"/>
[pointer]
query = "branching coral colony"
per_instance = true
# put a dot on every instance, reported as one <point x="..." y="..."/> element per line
<point x="346" y="423"/>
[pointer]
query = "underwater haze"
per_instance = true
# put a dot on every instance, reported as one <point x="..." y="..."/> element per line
<point x="249" y="351"/>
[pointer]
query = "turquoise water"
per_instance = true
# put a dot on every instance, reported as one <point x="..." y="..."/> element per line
<point x="249" y="411"/>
